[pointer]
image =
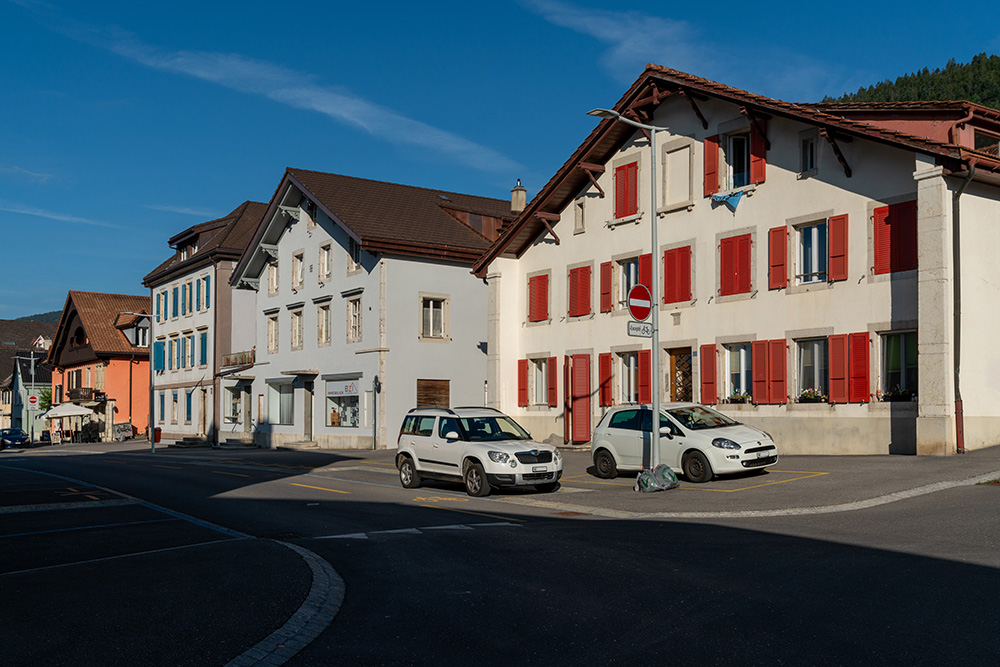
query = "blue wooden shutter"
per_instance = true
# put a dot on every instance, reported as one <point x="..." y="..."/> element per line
<point x="208" y="291"/>
<point x="158" y="356"/>
<point x="204" y="348"/>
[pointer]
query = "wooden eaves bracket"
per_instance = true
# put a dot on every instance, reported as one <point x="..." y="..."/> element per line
<point x="828" y="135"/>
<point x="694" y="107"/>
<point x="546" y="218"/>
<point x="753" y="118"/>
<point x="590" y="169"/>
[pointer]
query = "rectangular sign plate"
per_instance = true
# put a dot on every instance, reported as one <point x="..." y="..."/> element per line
<point x="640" y="329"/>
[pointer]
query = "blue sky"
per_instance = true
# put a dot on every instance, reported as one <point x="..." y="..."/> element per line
<point x="123" y="123"/>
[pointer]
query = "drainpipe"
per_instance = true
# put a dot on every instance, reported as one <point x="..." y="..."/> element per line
<point x="957" y="307"/>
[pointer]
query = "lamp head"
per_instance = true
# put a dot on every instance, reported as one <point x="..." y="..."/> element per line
<point x="604" y="113"/>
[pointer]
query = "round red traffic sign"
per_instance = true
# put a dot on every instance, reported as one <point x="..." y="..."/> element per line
<point x="32" y="401"/>
<point x="640" y="303"/>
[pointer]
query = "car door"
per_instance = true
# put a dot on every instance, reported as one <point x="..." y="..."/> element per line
<point x="420" y="435"/>
<point x="625" y="438"/>
<point x="448" y="452"/>
<point x="670" y="447"/>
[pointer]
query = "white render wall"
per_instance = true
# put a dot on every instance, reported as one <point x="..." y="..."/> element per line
<point x="865" y="302"/>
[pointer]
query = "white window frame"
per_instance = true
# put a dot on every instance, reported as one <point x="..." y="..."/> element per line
<point x="281" y="404"/>
<point x="438" y="303"/>
<point x="353" y="255"/>
<point x="628" y="378"/>
<point x="324" y="262"/>
<point x="730" y="152"/>
<point x="816" y="376"/>
<point x="740" y="357"/>
<point x="628" y="276"/>
<point x="816" y="236"/>
<point x="323" y="322"/>
<point x="234" y="403"/>
<point x="272" y="277"/>
<point x="354" y="321"/>
<point x="272" y="333"/>
<point x="295" y="319"/>
<point x="540" y="374"/>
<point x="298" y="270"/>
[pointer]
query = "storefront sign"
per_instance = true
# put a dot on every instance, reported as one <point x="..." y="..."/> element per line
<point x="342" y="388"/>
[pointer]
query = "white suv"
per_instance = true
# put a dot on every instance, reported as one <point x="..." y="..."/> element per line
<point x="481" y="447"/>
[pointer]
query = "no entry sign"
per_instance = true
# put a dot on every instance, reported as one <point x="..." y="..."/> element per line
<point x="639" y="302"/>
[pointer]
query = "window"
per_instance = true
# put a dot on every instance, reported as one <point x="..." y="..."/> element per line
<point x="142" y="337"/>
<point x="737" y="154"/>
<point x="272" y="277"/>
<point x="807" y="153"/>
<point x="309" y="207"/>
<point x="354" y="252"/>
<point x="579" y="291"/>
<point x="987" y="143"/>
<point x="543" y="375"/>
<point x="296" y="320"/>
<point x="281" y="404"/>
<point x="579" y="221"/>
<point x="323" y="324"/>
<point x="203" y="340"/>
<point x="895" y="228"/>
<point x="324" y="262"/>
<point x="627" y="190"/>
<point x="538" y="298"/>
<point x="899" y="364"/>
<point x="342" y="407"/>
<point x="739" y="375"/>
<point x="735" y="262"/>
<point x="174" y="407"/>
<point x="298" y="271"/>
<point x="812" y="370"/>
<point x="170" y="353"/>
<point x="233" y="404"/>
<point x="163" y="406"/>
<point x="182" y="352"/>
<point x="628" y="277"/>
<point x="812" y="253"/>
<point x="628" y="376"/>
<point x="272" y="333"/>
<point x="354" y="320"/>
<point x="743" y="151"/>
<point x="432" y="317"/>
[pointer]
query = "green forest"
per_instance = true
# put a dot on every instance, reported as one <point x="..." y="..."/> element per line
<point x="977" y="81"/>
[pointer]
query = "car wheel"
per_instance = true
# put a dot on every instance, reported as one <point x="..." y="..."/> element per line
<point x="408" y="475"/>
<point x="697" y="469"/>
<point x="476" y="483"/>
<point x="547" y="488"/>
<point x="605" y="464"/>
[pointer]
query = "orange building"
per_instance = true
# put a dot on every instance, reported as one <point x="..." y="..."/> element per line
<point x="100" y="360"/>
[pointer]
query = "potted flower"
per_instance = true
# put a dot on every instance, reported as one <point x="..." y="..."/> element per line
<point x="896" y="394"/>
<point x="740" y="397"/>
<point x="812" y="395"/>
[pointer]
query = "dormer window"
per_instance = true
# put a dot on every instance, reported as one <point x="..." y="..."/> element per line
<point x="142" y="337"/>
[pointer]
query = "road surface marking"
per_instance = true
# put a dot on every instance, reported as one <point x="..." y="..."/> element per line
<point x="321" y="488"/>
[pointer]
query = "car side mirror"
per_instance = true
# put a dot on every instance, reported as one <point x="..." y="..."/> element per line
<point x="451" y="435"/>
<point x="665" y="430"/>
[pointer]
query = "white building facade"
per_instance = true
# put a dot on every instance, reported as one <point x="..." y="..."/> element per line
<point x="806" y="266"/>
<point x="364" y="307"/>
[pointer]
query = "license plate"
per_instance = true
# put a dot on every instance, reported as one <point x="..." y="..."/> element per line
<point x="538" y="469"/>
<point x="763" y="455"/>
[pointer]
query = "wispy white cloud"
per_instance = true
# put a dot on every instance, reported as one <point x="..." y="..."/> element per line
<point x="183" y="210"/>
<point x="24" y="209"/>
<point x="30" y="175"/>
<point x="634" y="39"/>
<point x="285" y="86"/>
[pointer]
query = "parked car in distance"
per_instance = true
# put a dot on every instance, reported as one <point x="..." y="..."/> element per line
<point x="480" y="447"/>
<point x="13" y="437"/>
<point x="695" y="440"/>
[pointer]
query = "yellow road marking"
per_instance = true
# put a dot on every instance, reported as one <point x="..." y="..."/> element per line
<point x="233" y="474"/>
<point x="755" y="486"/>
<point x="491" y="516"/>
<point x="321" y="488"/>
<point x="434" y="499"/>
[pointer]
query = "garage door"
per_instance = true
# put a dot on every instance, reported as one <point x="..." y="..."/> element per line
<point x="433" y="393"/>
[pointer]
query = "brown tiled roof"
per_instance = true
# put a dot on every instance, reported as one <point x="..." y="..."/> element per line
<point x="16" y="334"/>
<point x="236" y="229"/>
<point x="400" y="214"/>
<point x="609" y="135"/>
<point x="98" y="312"/>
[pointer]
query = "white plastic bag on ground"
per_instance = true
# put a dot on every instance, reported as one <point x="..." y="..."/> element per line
<point x="660" y="478"/>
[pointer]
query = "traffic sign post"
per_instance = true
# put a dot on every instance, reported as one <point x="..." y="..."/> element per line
<point x="640" y="303"/>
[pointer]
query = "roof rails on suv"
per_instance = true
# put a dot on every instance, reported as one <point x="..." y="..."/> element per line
<point x="479" y="407"/>
<point x="448" y="411"/>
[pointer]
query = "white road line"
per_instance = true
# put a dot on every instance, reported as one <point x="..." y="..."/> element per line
<point x="417" y="531"/>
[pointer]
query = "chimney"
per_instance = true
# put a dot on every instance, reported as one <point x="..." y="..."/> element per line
<point x="518" y="197"/>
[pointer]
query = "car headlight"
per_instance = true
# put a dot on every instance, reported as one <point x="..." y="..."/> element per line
<point x="499" y="457"/>
<point x="556" y="456"/>
<point x="725" y="443"/>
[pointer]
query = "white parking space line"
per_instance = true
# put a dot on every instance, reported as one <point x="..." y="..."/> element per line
<point x="418" y="531"/>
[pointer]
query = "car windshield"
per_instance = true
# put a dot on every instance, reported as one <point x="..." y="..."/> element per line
<point x="698" y="417"/>
<point x="11" y="432"/>
<point x="484" y="429"/>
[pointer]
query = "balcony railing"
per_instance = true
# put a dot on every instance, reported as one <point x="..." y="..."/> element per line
<point x="246" y="358"/>
<point x="81" y="394"/>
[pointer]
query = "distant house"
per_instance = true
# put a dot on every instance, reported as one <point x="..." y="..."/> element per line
<point x="100" y="359"/>
<point x="821" y="271"/>
<point x="15" y="337"/>
<point x="30" y="376"/>
<point x="364" y="307"/>
<point x="193" y="325"/>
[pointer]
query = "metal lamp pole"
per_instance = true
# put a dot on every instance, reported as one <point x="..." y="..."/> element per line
<point x="654" y="289"/>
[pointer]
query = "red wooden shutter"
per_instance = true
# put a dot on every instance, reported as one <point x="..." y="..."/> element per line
<point x="567" y="398"/>
<point x="522" y="382"/>
<point x="585" y="290"/>
<point x="553" y="374"/>
<point x="759" y="361"/>
<point x="646" y="271"/>
<point x="645" y="377"/>
<point x="837" y="264"/>
<point x="684" y="273"/>
<point x="743" y="250"/>
<point x="533" y="299"/>
<point x="604" y="378"/>
<point x="858" y="360"/>
<point x="538" y="298"/>
<point x="606" y="287"/>
<point x="579" y="291"/>
<point x="903" y="228"/>
<point x="727" y="266"/>
<point x="777" y="359"/>
<point x="621" y="188"/>
<point x="627" y="190"/>
<point x="709" y="394"/>
<point x="883" y="240"/>
<point x="777" y="254"/>
<point x="581" y="397"/>
<point x="758" y="153"/>
<point x="711" y="165"/>
<point x="838" y="369"/>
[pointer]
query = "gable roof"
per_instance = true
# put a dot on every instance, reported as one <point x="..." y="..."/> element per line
<point x="233" y="233"/>
<point x="42" y="373"/>
<point x="98" y="313"/>
<point x="388" y="217"/>
<point x="656" y="84"/>
<point x="15" y="336"/>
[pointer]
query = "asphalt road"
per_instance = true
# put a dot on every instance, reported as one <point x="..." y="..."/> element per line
<point x="435" y="577"/>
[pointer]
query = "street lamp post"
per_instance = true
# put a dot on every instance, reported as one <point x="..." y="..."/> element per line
<point x="654" y="289"/>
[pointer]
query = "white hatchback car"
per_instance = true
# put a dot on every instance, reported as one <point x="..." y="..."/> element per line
<point x="695" y="440"/>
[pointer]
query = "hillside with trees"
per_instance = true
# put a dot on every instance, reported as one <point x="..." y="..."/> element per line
<point x="977" y="81"/>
